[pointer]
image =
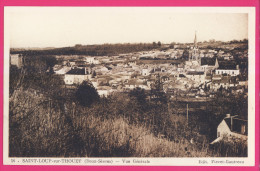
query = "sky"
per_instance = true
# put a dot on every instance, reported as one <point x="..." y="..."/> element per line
<point x="61" y="27"/>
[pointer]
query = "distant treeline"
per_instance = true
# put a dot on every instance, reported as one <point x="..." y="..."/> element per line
<point x="92" y="50"/>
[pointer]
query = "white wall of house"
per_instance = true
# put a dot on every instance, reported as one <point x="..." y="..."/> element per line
<point x="16" y="60"/>
<point x="75" y="79"/>
<point x="145" y="72"/>
<point x="229" y="72"/>
<point x="103" y="92"/>
<point x="223" y="129"/>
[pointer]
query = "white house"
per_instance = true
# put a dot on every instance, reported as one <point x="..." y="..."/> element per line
<point x="232" y="128"/>
<point x="17" y="60"/>
<point x="228" y="68"/>
<point x="146" y="71"/>
<point x="76" y="76"/>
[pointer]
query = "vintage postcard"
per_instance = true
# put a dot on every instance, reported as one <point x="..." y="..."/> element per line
<point x="129" y="86"/>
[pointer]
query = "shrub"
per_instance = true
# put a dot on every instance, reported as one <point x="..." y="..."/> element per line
<point x="86" y="94"/>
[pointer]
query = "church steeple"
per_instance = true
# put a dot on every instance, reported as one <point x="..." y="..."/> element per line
<point x="195" y="39"/>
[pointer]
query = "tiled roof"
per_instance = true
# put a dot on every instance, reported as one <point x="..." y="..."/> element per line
<point x="195" y="73"/>
<point x="208" y="61"/>
<point x="227" y="65"/>
<point x="76" y="72"/>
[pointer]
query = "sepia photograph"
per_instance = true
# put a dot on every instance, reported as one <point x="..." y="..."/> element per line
<point x="104" y="83"/>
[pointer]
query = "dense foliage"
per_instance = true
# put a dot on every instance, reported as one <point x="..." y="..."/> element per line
<point x="86" y="94"/>
<point x="93" y="50"/>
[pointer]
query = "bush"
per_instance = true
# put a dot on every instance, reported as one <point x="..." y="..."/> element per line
<point x="86" y="94"/>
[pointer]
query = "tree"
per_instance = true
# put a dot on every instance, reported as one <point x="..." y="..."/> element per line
<point x="159" y="44"/>
<point x="205" y="88"/>
<point x="154" y="44"/>
<point x="15" y="78"/>
<point x="86" y="94"/>
<point x="172" y="45"/>
<point x="185" y="54"/>
<point x="39" y="63"/>
<point x="94" y="74"/>
<point x="157" y="93"/>
<point x="220" y="89"/>
<point x="140" y="96"/>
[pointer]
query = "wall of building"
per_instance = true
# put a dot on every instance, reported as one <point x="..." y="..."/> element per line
<point x="229" y="72"/>
<point x="75" y="79"/>
<point x="16" y="60"/>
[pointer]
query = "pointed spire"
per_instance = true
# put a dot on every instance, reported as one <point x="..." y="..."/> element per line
<point x="216" y="63"/>
<point x="195" y="39"/>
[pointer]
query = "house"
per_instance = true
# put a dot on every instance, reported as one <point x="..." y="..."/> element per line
<point x="165" y="78"/>
<point x="92" y="60"/>
<point x="77" y="76"/>
<point x="228" y="68"/>
<point x="196" y="76"/>
<point x="132" y="62"/>
<point x="17" y="60"/>
<point x="232" y="128"/>
<point x="146" y="71"/>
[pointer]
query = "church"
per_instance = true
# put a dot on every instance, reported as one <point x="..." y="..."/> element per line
<point x="194" y="54"/>
<point x="197" y="61"/>
<point x="194" y="62"/>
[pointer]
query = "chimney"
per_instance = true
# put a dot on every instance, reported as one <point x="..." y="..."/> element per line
<point x="237" y="67"/>
<point x="227" y="115"/>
